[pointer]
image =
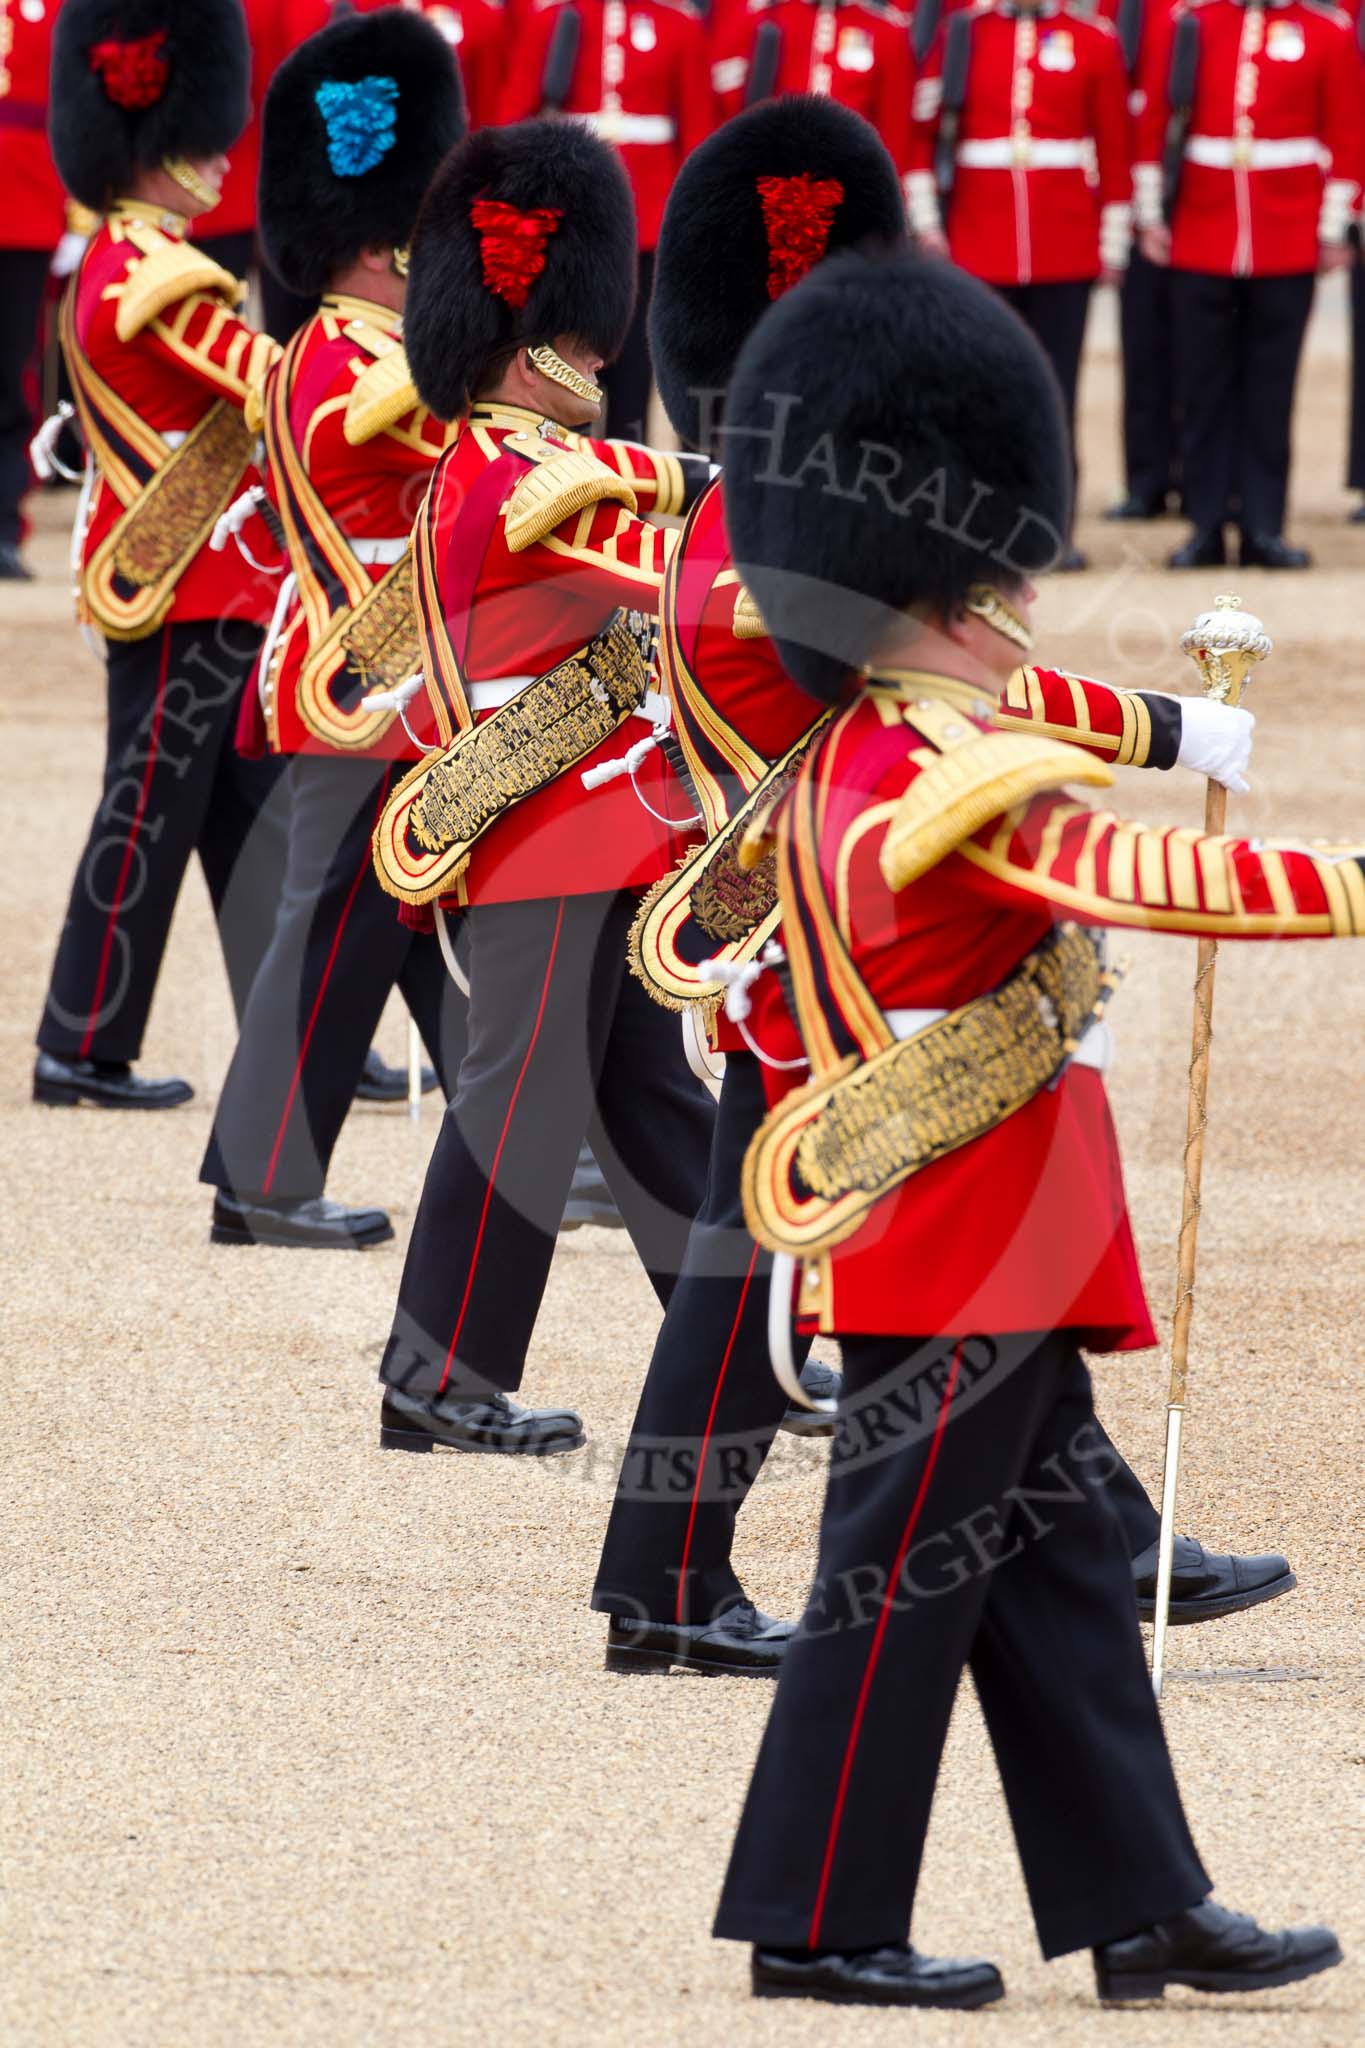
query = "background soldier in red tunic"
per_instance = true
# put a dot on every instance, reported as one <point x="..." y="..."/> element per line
<point x="356" y="122"/>
<point x="29" y="232"/>
<point x="636" y="71"/>
<point x="1266" y="97"/>
<point x="530" y="559"/>
<point x="832" y="49"/>
<point x="147" y="97"/>
<point x="1022" y="142"/>
<point x="967" y="1399"/>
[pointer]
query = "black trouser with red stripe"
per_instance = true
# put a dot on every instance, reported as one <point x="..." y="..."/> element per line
<point x="1149" y="395"/>
<point x="967" y="1522"/>
<point x="337" y="951"/>
<point x="1057" y="313"/>
<point x="1238" y="342"/>
<point x="711" y="1407"/>
<point x="563" y="1043"/>
<point x="1355" y="459"/>
<point x="174" y="784"/>
<point x="23" y="278"/>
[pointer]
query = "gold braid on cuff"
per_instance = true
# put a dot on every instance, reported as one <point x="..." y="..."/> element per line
<point x="552" y="365"/>
<point x="985" y="603"/>
<point x="188" y="179"/>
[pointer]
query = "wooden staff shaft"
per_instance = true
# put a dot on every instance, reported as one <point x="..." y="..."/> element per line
<point x="1196" y="1124"/>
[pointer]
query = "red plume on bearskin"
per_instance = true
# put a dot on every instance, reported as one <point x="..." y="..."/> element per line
<point x="512" y="246"/>
<point x="133" y="74"/>
<point x="798" y="214"/>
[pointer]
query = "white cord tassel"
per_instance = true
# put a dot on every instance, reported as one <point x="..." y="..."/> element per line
<point x="42" y="449"/>
<point x="460" y="979"/>
<point x="629" y="763"/>
<point x="737" y="979"/>
<point x="230" y="526"/>
<point x="398" y="699"/>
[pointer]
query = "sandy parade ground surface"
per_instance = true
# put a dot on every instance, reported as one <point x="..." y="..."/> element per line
<point x="304" y="1744"/>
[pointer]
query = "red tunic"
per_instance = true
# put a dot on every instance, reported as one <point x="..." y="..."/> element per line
<point x="371" y="483"/>
<point x="640" y="79"/>
<point x="858" y="55"/>
<point x="530" y="609"/>
<point x="1043" y="148"/>
<point x="33" y="202"/>
<point x="1026" y="1228"/>
<point x="1275" y="154"/>
<point x="181" y="361"/>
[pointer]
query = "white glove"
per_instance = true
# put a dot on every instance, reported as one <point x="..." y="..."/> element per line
<point x="1215" y="740"/>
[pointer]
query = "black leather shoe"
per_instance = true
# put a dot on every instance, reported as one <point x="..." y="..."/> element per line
<point x="822" y="1383"/>
<point x="1071" y="560"/>
<point x="13" y="567"/>
<point x="894" y="1975"/>
<point x="1211" y="1949"/>
<point x="590" y="1199"/>
<point x="109" y="1084"/>
<point x="379" y="1082"/>
<point x="740" y="1643"/>
<point x="317" y="1225"/>
<point x="1135" y="506"/>
<point x="1206" y="1585"/>
<point x="1271" y="551"/>
<point x="408" y="1423"/>
<point x="1201" y="551"/>
<point x="1357" y="518"/>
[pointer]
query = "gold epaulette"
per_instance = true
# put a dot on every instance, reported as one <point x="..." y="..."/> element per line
<point x="976" y="777"/>
<point x="381" y="396"/>
<point x="564" y="481"/>
<point x="747" y="623"/>
<point x="168" y="272"/>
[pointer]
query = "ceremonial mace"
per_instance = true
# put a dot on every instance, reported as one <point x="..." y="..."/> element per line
<point x="1223" y="644"/>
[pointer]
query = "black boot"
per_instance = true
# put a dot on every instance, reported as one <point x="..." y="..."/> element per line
<point x="822" y="1383"/>
<point x="109" y="1084"/>
<point x="1272" y="551"/>
<point x="1207" y="1584"/>
<point x="379" y="1082"/>
<point x="1211" y="1949"/>
<point x="1135" y="506"/>
<point x="894" y="1975"/>
<point x="1207" y="550"/>
<point x="490" y="1423"/>
<point x="13" y="567"/>
<point x="315" y="1226"/>
<point x="739" y="1643"/>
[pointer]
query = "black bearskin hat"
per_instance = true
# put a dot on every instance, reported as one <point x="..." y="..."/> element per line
<point x="137" y="81"/>
<point x="355" y="123"/>
<point x="761" y="201"/>
<point x="894" y="434"/>
<point x="527" y="233"/>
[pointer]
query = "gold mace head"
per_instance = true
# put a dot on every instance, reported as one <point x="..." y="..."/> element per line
<point x="1224" y="645"/>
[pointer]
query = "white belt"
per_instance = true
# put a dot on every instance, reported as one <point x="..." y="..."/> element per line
<point x="374" y="552"/>
<point x="617" y="127"/>
<point x="1028" y="152"/>
<point x="1096" y="1048"/>
<point x="1228" y="152"/>
<point x="176" y="438"/>
<point x="492" y="695"/>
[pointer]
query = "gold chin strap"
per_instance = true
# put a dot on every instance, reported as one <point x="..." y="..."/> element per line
<point x="552" y="365"/>
<point x="985" y="603"/>
<point x="189" y="180"/>
<point x="400" y="259"/>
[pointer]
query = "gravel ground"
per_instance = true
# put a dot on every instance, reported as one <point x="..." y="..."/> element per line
<point x="304" y="1744"/>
